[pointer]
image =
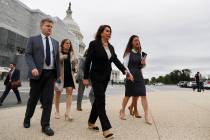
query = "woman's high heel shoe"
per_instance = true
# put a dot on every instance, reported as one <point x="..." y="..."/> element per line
<point x="57" y="115"/>
<point x="108" y="135"/>
<point x="147" y="120"/>
<point x="67" y="118"/>
<point x="122" y="115"/>
<point x="137" y="115"/>
<point x="93" y="127"/>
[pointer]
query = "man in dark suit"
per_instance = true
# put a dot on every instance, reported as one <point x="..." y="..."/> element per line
<point x="13" y="75"/>
<point x="42" y="58"/>
<point x="198" y="81"/>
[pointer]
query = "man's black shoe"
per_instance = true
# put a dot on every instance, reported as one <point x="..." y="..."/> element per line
<point x="26" y="123"/>
<point x="48" y="131"/>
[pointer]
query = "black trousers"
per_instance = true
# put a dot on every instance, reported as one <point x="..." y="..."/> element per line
<point x="198" y="86"/>
<point x="44" y="88"/>
<point x="6" y="92"/>
<point x="98" y="108"/>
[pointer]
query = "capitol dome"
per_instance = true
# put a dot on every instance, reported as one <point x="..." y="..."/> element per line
<point x="72" y="25"/>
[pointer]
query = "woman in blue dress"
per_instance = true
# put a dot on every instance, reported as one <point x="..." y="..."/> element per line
<point x="134" y="61"/>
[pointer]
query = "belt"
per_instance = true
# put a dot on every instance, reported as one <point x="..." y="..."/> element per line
<point x="48" y="70"/>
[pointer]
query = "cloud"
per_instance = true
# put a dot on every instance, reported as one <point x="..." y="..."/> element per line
<point x="175" y="34"/>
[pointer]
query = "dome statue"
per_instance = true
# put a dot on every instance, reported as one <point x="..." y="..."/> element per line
<point x="72" y="25"/>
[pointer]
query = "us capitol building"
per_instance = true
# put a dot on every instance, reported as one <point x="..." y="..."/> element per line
<point x="18" y="22"/>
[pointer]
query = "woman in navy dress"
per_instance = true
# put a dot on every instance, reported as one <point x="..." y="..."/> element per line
<point x="134" y="61"/>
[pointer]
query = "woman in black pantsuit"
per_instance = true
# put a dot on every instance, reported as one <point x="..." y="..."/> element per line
<point x="100" y="55"/>
<point x="134" y="61"/>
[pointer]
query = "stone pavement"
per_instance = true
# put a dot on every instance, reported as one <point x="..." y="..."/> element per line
<point x="11" y="100"/>
<point x="176" y="114"/>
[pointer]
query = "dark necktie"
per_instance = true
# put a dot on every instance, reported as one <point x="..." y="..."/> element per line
<point x="10" y="74"/>
<point x="47" y="60"/>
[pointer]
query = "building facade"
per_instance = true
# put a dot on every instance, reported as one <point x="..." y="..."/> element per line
<point x="115" y="76"/>
<point x="18" y="22"/>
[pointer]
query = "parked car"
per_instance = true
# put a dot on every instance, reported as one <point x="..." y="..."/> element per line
<point x="191" y="84"/>
<point x="158" y="84"/>
<point x="207" y="84"/>
<point x="182" y="84"/>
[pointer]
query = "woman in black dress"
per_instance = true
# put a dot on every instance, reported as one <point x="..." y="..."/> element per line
<point x="68" y="63"/>
<point x="134" y="61"/>
<point x="100" y="55"/>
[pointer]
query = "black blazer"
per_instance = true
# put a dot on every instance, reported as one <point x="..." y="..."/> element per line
<point x="15" y="76"/>
<point x="100" y="64"/>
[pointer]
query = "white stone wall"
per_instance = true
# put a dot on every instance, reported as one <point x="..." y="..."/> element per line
<point x="18" y="18"/>
<point x="115" y="75"/>
<point x="61" y="32"/>
<point x="24" y="21"/>
<point x="15" y="17"/>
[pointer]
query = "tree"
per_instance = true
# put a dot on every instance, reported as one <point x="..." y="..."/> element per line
<point x="153" y="80"/>
<point x="173" y="77"/>
<point x="186" y="74"/>
<point x="160" y="79"/>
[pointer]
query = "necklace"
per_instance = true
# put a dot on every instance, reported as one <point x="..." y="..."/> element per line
<point x="105" y="44"/>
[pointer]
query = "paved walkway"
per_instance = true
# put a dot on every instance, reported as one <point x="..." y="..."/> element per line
<point x="176" y="115"/>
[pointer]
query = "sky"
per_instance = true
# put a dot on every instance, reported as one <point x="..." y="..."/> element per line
<point x="174" y="33"/>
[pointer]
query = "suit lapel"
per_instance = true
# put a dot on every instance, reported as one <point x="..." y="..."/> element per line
<point x="41" y="44"/>
<point x="54" y="48"/>
<point x="103" y="52"/>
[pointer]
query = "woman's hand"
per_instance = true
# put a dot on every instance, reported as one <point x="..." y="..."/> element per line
<point x="85" y="82"/>
<point x="143" y="61"/>
<point x="129" y="76"/>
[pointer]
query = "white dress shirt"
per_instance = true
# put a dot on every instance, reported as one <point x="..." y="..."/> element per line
<point x="108" y="52"/>
<point x="126" y="61"/>
<point x="51" y="66"/>
<point x="127" y="58"/>
<point x="12" y="73"/>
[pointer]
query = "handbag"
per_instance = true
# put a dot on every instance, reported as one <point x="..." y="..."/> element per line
<point x="58" y="85"/>
<point x="16" y="84"/>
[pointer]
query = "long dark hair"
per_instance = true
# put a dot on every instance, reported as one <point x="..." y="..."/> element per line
<point x="62" y="44"/>
<point x="100" y="30"/>
<point x="85" y="53"/>
<point x="129" y="45"/>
